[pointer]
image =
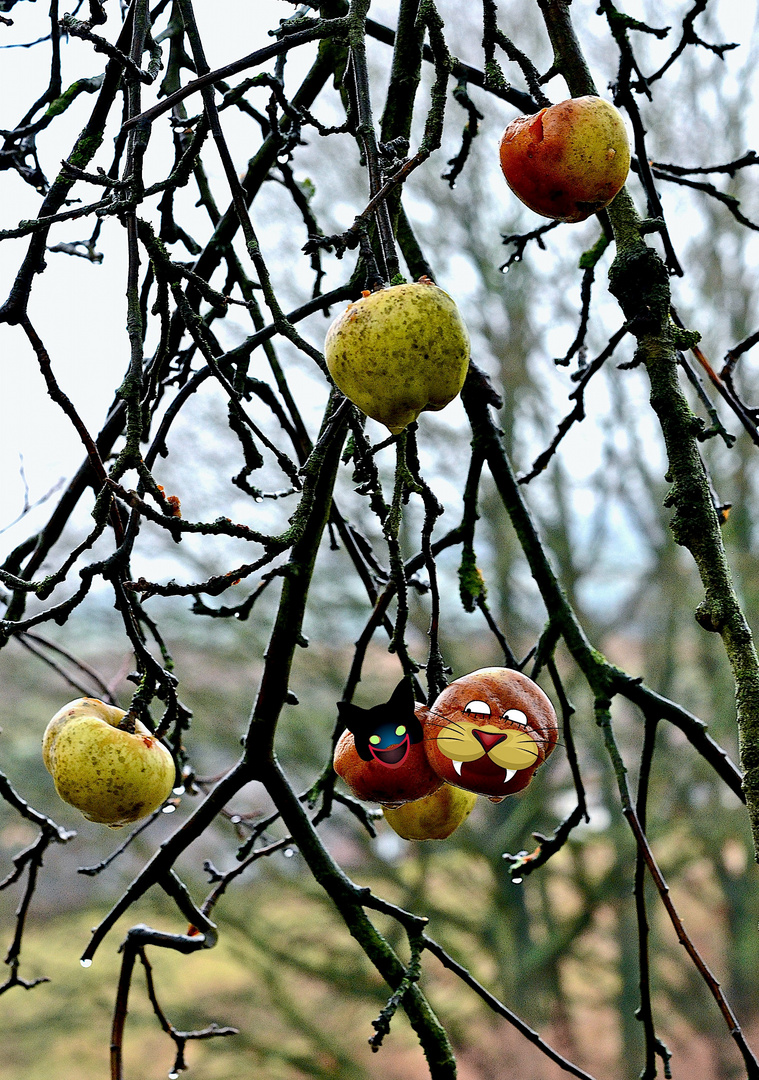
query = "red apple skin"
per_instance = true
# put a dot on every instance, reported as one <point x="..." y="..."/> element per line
<point x="493" y="700"/>
<point x="374" y="782"/>
<point x="568" y="161"/>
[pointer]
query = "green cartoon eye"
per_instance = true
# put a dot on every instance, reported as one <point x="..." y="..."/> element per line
<point x="375" y="740"/>
<point x="400" y="730"/>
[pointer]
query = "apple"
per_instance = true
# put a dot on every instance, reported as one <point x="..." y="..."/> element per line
<point x="111" y="774"/>
<point x="567" y="161"/>
<point x="399" y="351"/>
<point x="373" y="779"/>
<point x="493" y="729"/>
<point x="433" y="817"/>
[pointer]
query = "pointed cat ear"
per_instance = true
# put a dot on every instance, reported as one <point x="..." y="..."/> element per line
<point x="402" y="697"/>
<point x="354" y="719"/>
<point x="402" y="700"/>
<point x="349" y="714"/>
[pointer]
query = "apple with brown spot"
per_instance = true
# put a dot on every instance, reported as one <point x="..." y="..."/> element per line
<point x="398" y="352"/>
<point x="567" y="161"/>
<point x="113" y="774"/>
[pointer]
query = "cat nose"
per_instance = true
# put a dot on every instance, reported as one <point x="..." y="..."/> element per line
<point x="488" y="739"/>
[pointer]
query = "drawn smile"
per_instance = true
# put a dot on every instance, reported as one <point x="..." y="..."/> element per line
<point x="391" y="756"/>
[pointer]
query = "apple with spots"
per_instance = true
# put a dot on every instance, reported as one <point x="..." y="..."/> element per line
<point x="569" y="160"/>
<point x="109" y="766"/>
<point x="398" y="352"/>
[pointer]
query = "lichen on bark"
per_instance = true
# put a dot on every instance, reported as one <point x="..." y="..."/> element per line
<point x="640" y="280"/>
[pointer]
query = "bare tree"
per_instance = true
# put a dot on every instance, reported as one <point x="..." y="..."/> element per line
<point x="311" y="513"/>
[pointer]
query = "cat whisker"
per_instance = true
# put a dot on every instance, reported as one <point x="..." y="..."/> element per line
<point x="435" y="723"/>
<point x="545" y="739"/>
<point x="447" y="724"/>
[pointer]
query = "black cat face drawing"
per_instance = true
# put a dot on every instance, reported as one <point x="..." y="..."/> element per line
<point x="385" y="732"/>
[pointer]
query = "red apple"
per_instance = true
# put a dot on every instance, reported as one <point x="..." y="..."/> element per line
<point x="567" y="161"/>
<point x="389" y="782"/>
<point x="489" y="731"/>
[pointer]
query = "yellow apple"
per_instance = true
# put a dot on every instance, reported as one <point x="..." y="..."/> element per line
<point x="399" y="351"/>
<point x="434" y="817"/>
<point x="567" y="161"/>
<point x="114" y="776"/>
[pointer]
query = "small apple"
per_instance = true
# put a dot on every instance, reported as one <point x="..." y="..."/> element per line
<point x="434" y="817"/>
<point x="399" y="351"/>
<point x="567" y="161"/>
<point x="114" y="776"/>
<point x="395" y="770"/>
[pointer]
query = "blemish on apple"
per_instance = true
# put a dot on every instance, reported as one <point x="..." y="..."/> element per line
<point x="112" y="775"/>
<point x="578" y="147"/>
<point x="399" y="351"/>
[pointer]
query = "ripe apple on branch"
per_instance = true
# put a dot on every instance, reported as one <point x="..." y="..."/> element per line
<point x="399" y="351"/>
<point x="568" y="161"/>
<point x="434" y="817"/>
<point x="112" y="774"/>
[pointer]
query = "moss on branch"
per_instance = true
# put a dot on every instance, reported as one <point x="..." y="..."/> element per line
<point x="640" y="281"/>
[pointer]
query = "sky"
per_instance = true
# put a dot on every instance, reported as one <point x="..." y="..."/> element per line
<point x="81" y="325"/>
<point x="79" y="308"/>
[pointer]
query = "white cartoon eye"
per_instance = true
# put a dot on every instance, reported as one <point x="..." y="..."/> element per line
<point x="480" y="707"/>
<point x="515" y="715"/>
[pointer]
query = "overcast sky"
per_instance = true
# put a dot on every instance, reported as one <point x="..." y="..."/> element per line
<point x="79" y="308"/>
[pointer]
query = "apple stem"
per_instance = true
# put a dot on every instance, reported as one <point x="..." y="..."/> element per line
<point x="128" y="722"/>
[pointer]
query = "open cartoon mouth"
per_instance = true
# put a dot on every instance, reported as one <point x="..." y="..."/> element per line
<point x="391" y="756"/>
<point x="475" y="772"/>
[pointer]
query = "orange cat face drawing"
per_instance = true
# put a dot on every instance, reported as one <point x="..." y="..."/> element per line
<point x="489" y="731"/>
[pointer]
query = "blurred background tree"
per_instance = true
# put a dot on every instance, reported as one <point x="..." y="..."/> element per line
<point x="175" y="337"/>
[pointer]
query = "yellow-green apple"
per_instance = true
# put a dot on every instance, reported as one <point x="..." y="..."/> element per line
<point x="399" y="351"/>
<point x="434" y="817"/>
<point x="114" y="775"/>
<point x="567" y="161"/>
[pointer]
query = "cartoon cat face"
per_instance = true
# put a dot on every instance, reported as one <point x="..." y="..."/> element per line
<point x="381" y="755"/>
<point x="386" y="732"/>
<point x="489" y="731"/>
